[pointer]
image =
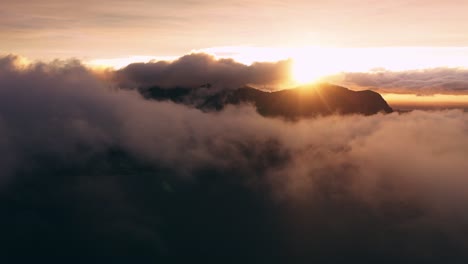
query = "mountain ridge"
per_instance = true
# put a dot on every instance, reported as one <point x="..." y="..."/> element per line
<point x="303" y="101"/>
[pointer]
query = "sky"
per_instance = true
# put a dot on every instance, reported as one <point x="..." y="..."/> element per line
<point x="321" y="38"/>
<point x="106" y="30"/>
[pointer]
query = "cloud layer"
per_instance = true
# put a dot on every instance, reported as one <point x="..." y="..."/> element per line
<point x="94" y="171"/>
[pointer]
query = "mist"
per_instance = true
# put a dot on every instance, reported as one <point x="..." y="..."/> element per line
<point x="440" y="80"/>
<point x="91" y="170"/>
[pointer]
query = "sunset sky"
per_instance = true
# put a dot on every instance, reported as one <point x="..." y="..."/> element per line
<point x="90" y="30"/>
<point x="321" y="38"/>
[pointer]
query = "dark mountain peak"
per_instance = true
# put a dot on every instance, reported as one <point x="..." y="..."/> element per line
<point x="303" y="101"/>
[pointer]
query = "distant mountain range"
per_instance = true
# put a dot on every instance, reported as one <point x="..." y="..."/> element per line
<point x="312" y="100"/>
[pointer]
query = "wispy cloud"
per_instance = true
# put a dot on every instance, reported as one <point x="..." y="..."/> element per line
<point x="424" y="82"/>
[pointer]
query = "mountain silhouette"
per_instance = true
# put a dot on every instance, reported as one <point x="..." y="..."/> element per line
<point x="311" y="100"/>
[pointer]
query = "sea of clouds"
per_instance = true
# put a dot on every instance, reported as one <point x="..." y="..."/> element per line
<point x="88" y="168"/>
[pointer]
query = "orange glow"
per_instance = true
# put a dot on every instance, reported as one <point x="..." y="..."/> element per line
<point x="326" y="60"/>
<point x="436" y="100"/>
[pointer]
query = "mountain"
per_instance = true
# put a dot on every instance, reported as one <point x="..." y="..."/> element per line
<point x="312" y="100"/>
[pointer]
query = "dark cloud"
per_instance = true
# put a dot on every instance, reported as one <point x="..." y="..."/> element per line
<point x="87" y="170"/>
<point x="424" y="82"/>
<point x="197" y="69"/>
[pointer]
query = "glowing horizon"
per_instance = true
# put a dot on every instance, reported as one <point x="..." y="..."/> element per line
<point x="313" y="63"/>
<point x="391" y="58"/>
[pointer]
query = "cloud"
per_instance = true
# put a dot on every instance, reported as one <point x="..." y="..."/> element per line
<point x="90" y="170"/>
<point x="425" y="82"/>
<point x="198" y="69"/>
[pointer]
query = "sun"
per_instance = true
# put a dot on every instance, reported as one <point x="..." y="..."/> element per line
<point x="304" y="71"/>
